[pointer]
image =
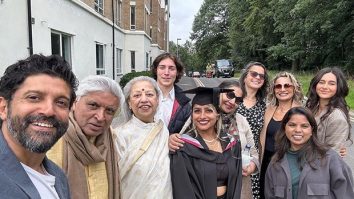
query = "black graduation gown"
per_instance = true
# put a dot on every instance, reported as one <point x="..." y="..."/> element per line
<point x="193" y="170"/>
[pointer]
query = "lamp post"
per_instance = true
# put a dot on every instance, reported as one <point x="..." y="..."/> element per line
<point x="177" y="47"/>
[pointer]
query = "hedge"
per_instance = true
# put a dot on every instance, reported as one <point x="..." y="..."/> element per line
<point x="127" y="77"/>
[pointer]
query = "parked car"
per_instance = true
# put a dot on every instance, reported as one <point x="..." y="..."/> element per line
<point x="196" y="74"/>
<point x="224" y="68"/>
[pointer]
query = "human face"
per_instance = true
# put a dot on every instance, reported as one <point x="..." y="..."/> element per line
<point x="95" y="111"/>
<point x="37" y="115"/>
<point x="143" y="101"/>
<point x="326" y="88"/>
<point x="230" y="105"/>
<point x="283" y="89"/>
<point x="298" y="131"/>
<point x="204" y="117"/>
<point x="254" y="81"/>
<point x="166" y="73"/>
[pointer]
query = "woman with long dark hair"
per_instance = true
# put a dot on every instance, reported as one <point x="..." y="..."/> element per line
<point x="254" y="84"/>
<point x="208" y="166"/>
<point x="302" y="166"/>
<point x="326" y="99"/>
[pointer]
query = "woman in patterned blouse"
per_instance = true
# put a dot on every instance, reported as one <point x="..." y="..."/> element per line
<point x="254" y="83"/>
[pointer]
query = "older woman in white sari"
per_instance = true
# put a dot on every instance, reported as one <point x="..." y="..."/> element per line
<point x="142" y="143"/>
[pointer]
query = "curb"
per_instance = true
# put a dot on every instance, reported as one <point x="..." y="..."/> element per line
<point x="351" y="116"/>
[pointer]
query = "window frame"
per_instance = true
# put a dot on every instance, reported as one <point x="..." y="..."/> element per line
<point x="64" y="50"/>
<point x="99" y="6"/>
<point x="100" y="69"/>
<point x="132" y="15"/>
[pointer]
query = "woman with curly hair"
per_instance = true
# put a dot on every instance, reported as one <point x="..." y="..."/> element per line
<point x="326" y="99"/>
<point x="284" y="93"/>
<point x="302" y="166"/>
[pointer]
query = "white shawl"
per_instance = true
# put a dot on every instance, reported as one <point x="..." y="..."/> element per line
<point x="150" y="176"/>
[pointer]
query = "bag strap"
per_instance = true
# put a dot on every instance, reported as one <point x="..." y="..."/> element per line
<point x="147" y="142"/>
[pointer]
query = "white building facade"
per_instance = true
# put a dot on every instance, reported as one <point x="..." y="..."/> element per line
<point x="83" y="32"/>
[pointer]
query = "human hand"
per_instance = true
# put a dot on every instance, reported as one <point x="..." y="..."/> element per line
<point x="248" y="170"/>
<point x="175" y="142"/>
<point x="342" y="151"/>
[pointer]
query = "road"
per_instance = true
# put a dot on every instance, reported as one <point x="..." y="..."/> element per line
<point x="188" y="83"/>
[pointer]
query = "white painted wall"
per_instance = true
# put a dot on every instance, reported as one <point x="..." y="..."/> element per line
<point x="74" y="18"/>
<point x="13" y="32"/>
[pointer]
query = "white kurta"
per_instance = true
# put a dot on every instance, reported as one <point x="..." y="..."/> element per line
<point x="150" y="176"/>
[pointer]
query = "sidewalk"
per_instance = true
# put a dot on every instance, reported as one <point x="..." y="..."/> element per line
<point x="351" y="115"/>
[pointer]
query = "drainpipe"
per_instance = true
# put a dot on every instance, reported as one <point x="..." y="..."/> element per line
<point x="29" y="21"/>
<point x="113" y="41"/>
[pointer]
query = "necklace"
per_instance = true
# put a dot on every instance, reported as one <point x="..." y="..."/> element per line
<point x="210" y="141"/>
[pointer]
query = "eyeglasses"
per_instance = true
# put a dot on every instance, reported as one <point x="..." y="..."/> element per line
<point x="285" y="86"/>
<point x="231" y="95"/>
<point x="254" y="74"/>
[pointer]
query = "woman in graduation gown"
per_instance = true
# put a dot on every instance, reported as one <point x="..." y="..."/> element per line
<point x="208" y="166"/>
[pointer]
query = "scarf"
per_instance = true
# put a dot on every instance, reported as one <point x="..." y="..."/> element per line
<point x="79" y="152"/>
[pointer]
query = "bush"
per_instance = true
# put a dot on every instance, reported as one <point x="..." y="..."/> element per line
<point x="127" y="77"/>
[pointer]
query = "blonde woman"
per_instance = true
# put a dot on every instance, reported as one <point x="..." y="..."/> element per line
<point x="284" y="93"/>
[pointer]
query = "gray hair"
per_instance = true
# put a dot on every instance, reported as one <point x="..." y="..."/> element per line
<point x="94" y="83"/>
<point x="127" y="92"/>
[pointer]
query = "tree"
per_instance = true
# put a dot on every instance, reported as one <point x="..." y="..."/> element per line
<point x="210" y="31"/>
<point x="315" y="33"/>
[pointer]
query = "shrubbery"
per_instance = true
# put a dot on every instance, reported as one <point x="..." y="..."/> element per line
<point x="127" y="77"/>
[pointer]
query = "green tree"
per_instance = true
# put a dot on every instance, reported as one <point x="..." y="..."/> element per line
<point x="210" y="32"/>
<point x="315" y="33"/>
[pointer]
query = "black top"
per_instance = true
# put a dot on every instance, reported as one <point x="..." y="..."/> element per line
<point x="194" y="169"/>
<point x="272" y="129"/>
<point x="183" y="112"/>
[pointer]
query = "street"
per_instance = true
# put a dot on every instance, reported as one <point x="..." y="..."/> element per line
<point x="188" y="83"/>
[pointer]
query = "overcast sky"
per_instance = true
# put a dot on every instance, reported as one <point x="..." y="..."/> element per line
<point x="182" y="16"/>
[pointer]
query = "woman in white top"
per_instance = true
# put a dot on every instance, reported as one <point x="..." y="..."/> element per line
<point x="144" y="165"/>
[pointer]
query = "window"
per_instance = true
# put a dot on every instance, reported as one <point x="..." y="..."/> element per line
<point x="61" y="45"/>
<point x="119" y="12"/>
<point x="132" y="60"/>
<point x="100" y="70"/>
<point x="146" y="21"/>
<point x="150" y="6"/>
<point x="132" y="17"/>
<point x="119" y="61"/>
<point x="147" y="61"/>
<point x="99" y="6"/>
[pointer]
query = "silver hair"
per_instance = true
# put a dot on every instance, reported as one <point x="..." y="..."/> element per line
<point x="94" y="83"/>
<point x="127" y="92"/>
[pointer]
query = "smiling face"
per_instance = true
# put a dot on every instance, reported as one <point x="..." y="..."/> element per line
<point x="284" y="89"/>
<point x="253" y="79"/>
<point x="37" y="115"/>
<point x="229" y="105"/>
<point x="298" y="130"/>
<point x="326" y="88"/>
<point x="143" y="101"/>
<point x="204" y="117"/>
<point x="166" y="73"/>
<point x="94" y="112"/>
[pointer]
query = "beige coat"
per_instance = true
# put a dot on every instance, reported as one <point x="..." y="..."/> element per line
<point x="246" y="136"/>
<point x="334" y="130"/>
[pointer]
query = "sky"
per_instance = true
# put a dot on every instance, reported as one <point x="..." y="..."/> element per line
<point x="181" y="20"/>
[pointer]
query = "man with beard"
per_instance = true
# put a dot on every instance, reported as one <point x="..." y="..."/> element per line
<point x="86" y="152"/>
<point x="36" y="95"/>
